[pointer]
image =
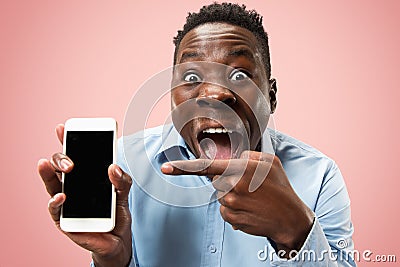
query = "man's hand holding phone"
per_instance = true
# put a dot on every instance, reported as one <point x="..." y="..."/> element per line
<point x="109" y="248"/>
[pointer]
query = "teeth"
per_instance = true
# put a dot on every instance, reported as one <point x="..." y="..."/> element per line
<point x="216" y="130"/>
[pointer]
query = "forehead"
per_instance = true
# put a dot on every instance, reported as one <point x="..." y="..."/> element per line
<point x="215" y="41"/>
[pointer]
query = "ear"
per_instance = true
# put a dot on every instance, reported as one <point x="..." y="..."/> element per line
<point x="272" y="94"/>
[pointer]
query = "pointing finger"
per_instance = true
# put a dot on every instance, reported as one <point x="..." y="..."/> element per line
<point x="226" y="183"/>
<point x="261" y="171"/>
<point x="255" y="155"/>
<point x="202" y="167"/>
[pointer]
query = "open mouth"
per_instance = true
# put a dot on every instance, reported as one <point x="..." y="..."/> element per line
<point x="219" y="143"/>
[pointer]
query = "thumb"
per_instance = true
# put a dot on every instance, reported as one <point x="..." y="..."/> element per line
<point x="121" y="181"/>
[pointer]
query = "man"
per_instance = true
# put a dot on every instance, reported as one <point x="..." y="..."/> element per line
<point x="260" y="203"/>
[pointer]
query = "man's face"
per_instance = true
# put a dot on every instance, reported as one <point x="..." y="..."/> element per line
<point x="220" y="91"/>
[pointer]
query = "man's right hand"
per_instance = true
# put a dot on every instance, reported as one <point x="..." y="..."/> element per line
<point x="108" y="249"/>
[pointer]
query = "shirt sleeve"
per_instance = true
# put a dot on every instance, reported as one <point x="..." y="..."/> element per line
<point x="329" y="242"/>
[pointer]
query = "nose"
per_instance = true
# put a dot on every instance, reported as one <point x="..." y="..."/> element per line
<point x="213" y="95"/>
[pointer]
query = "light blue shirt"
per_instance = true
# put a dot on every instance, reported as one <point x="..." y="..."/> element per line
<point x="176" y="220"/>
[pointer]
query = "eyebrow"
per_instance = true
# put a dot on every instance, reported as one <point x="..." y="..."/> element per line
<point x="189" y="55"/>
<point x="235" y="53"/>
<point x="242" y="52"/>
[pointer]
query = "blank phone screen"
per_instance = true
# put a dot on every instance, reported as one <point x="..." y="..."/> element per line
<point x="87" y="187"/>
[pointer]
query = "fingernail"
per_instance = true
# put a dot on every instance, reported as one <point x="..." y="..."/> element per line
<point x="118" y="172"/>
<point x="55" y="198"/>
<point x="65" y="164"/>
<point x="166" y="168"/>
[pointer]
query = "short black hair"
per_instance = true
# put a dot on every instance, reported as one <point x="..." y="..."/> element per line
<point x="233" y="14"/>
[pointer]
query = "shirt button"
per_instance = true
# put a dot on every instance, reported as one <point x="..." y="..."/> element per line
<point x="212" y="248"/>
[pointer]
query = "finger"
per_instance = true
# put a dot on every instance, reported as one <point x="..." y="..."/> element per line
<point x="203" y="167"/>
<point x="230" y="200"/>
<point x="255" y="155"/>
<point x="49" y="177"/>
<point x="55" y="204"/>
<point x="232" y="216"/>
<point x="60" y="132"/>
<point x="122" y="183"/>
<point x="261" y="171"/>
<point x="226" y="183"/>
<point x="61" y="163"/>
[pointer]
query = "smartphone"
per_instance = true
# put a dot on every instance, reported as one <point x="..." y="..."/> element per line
<point x="90" y="196"/>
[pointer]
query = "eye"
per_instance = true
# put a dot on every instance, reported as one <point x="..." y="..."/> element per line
<point x="191" y="77"/>
<point x="238" y="75"/>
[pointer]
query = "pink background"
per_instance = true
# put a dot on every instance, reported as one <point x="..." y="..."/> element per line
<point x="336" y="62"/>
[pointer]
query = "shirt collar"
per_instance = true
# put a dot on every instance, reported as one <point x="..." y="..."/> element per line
<point x="172" y="140"/>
